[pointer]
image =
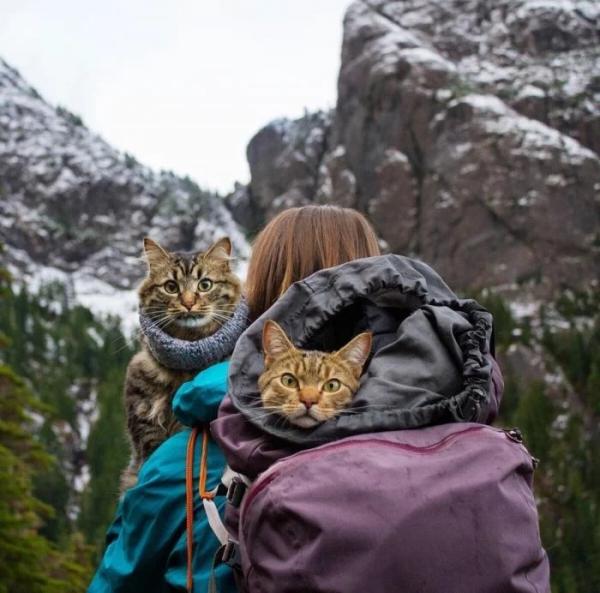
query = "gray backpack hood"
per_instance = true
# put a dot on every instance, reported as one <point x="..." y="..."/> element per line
<point x="430" y="361"/>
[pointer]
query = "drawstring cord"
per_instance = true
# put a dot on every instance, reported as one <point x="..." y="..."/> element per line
<point x="189" y="507"/>
<point x="189" y="495"/>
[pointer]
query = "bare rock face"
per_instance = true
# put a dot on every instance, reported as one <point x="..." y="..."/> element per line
<point x="284" y="158"/>
<point x="508" y="199"/>
<point x="71" y="206"/>
<point x="468" y="132"/>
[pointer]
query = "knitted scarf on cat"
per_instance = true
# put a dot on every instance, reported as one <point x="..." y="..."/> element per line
<point x="183" y="355"/>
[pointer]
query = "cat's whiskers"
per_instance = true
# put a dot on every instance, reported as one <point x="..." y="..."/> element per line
<point x="266" y="415"/>
<point x="216" y="310"/>
<point x="156" y="313"/>
<point x="221" y="314"/>
<point x="160" y="319"/>
<point x="164" y="322"/>
<point x="226" y="312"/>
<point x="131" y="342"/>
<point x="156" y="307"/>
<point x="270" y="413"/>
<point x="221" y="319"/>
<point x="267" y="412"/>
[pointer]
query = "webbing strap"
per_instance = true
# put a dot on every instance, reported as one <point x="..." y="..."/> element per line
<point x="204" y="494"/>
<point x="214" y="520"/>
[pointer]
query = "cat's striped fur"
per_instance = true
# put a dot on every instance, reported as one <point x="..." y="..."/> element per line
<point x="189" y="295"/>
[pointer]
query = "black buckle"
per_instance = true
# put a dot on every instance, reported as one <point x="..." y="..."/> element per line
<point x="230" y="554"/>
<point x="236" y="491"/>
<point x="222" y="490"/>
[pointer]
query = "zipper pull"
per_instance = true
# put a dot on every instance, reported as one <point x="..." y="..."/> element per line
<point x="514" y="434"/>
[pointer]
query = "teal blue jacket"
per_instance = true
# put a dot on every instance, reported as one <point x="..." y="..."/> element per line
<point x="146" y="544"/>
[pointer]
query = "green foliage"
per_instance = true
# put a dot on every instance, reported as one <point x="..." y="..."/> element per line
<point x="577" y="349"/>
<point x="71" y="362"/>
<point x="69" y="116"/>
<point x="578" y="304"/>
<point x="563" y="431"/>
<point x="130" y="161"/>
<point x="534" y="415"/>
<point x="504" y="324"/>
<point x="29" y="562"/>
<point x="107" y="454"/>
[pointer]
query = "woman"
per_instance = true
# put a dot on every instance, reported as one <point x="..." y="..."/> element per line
<point x="146" y="545"/>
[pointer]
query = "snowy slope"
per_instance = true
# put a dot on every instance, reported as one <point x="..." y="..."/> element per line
<point x="74" y="209"/>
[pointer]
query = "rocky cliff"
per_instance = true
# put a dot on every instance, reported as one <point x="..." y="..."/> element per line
<point x="467" y="130"/>
<point x="75" y="209"/>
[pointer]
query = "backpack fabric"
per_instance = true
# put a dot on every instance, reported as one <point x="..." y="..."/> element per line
<point x="444" y="509"/>
<point x="429" y="365"/>
<point x="411" y="491"/>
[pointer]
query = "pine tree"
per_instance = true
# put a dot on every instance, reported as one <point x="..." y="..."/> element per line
<point x="29" y="563"/>
<point x="566" y="439"/>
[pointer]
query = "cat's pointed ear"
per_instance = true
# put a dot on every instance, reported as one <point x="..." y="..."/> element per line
<point x="356" y="351"/>
<point x="221" y="249"/>
<point x="275" y="342"/>
<point x="155" y="254"/>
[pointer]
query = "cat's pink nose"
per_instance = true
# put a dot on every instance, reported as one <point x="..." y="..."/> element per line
<point x="188" y="300"/>
<point x="309" y="397"/>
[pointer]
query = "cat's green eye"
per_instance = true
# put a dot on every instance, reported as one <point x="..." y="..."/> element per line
<point x="288" y="380"/>
<point x="205" y="285"/>
<point x="171" y="287"/>
<point x="332" y="385"/>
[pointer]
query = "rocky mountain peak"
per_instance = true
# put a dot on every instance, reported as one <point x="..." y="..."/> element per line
<point x="75" y="209"/>
<point x="468" y="132"/>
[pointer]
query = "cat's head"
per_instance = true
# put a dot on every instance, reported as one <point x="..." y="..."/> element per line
<point x="309" y="387"/>
<point x="189" y="295"/>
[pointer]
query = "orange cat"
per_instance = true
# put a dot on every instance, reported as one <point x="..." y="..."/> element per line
<point x="309" y="387"/>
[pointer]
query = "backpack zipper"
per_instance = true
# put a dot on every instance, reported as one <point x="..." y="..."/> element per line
<point x="270" y="474"/>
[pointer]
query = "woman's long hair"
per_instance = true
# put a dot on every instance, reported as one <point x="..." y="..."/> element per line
<point x="300" y="241"/>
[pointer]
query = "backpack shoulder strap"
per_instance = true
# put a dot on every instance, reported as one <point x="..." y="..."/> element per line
<point x="229" y="485"/>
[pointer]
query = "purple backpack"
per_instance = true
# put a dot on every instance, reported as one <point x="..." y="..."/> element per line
<point x="413" y="491"/>
<point x="444" y="509"/>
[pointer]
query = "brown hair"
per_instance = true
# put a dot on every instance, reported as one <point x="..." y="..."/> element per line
<point x="300" y="241"/>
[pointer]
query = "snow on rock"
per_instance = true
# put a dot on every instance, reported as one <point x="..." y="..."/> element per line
<point x="537" y="137"/>
<point x="74" y="209"/>
<point x="468" y="131"/>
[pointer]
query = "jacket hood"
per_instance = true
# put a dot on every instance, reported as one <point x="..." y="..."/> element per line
<point x="430" y="360"/>
<point x="197" y="401"/>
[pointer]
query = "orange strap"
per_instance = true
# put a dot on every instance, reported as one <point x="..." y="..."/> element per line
<point x="189" y="495"/>
<point x="189" y="507"/>
<point x="204" y="467"/>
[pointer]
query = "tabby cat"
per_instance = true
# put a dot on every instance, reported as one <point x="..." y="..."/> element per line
<point x="189" y="296"/>
<point x="309" y="387"/>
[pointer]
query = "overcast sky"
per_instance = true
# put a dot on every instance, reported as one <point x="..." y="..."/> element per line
<point x="183" y="84"/>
